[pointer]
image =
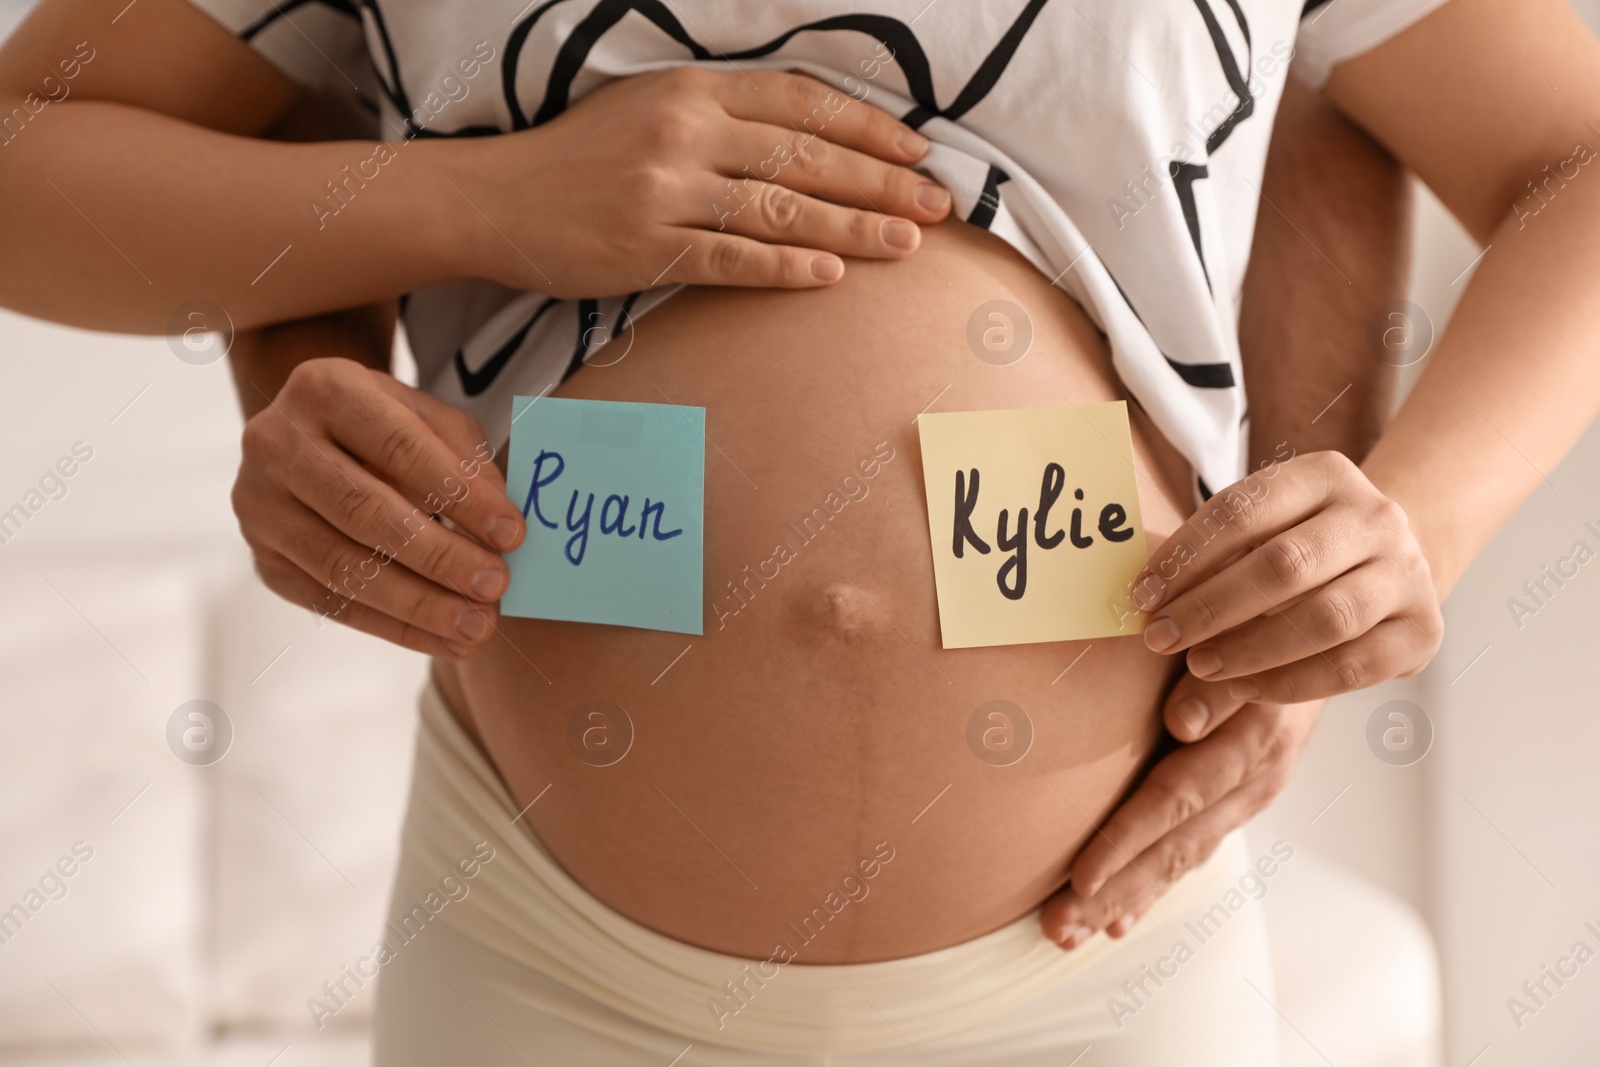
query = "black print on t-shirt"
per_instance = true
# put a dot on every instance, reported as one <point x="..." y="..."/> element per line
<point x="562" y="70"/>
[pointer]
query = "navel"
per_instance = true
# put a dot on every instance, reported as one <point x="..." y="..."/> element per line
<point x="842" y="608"/>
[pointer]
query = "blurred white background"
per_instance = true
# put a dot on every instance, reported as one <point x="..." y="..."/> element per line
<point x="218" y="899"/>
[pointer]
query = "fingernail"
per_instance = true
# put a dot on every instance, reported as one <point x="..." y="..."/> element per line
<point x="1192" y="713"/>
<point x="1121" y="926"/>
<point x="1074" y="935"/>
<point x="458" y="651"/>
<point x="489" y="583"/>
<point x="931" y="197"/>
<point x="1244" y="689"/>
<point x="899" y="233"/>
<point x="502" y="532"/>
<point x="473" y="625"/>
<point x="1161" y="635"/>
<point x="1148" y="592"/>
<point x="1204" y="661"/>
<point x="827" y="268"/>
<point x="911" y="143"/>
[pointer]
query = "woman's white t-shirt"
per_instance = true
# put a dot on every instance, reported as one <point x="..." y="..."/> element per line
<point x="1117" y="144"/>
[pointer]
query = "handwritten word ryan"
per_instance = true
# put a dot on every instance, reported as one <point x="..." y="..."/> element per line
<point x="613" y="513"/>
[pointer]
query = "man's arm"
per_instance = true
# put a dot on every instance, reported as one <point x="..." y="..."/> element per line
<point x="1332" y="244"/>
<point x="294" y="381"/>
<point x="1329" y="191"/>
<point x="1332" y="581"/>
<point x="1468" y="97"/>
<point x="263" y="359"/>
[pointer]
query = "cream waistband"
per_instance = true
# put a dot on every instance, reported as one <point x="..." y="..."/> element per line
<point x="525" y="906"/>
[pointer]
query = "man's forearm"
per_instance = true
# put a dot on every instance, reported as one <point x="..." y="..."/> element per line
<point x="1332" y="243"/>
<point x="263" y="359"/>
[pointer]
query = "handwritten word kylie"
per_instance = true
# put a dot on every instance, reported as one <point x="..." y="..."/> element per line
<point x="1111" y="527"/>
<point x="613" y="513"/>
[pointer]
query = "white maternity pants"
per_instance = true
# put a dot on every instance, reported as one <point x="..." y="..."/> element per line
<point x="494" y="957"/>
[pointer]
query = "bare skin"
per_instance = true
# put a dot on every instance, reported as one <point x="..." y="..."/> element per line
<point x="1480" y="119"/>
<point x="823" y="717"/>
<point x="148" y="184"/>
<point x="1294" y="303"/>
<point x="1361" y="557"/>
<point x="1314" y="385"/>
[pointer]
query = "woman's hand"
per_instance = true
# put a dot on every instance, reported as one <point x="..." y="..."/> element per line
<point x="341" y="477"/>
<point x="1176" y="818"/>
<point x="1299" y="582"/>
<point x="757" y="178"/>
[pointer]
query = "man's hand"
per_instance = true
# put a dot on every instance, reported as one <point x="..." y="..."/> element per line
<point x="1175" y="819"/>
<point x="1312" y="380"/>
<point x="1295" y="584"/>
<point x="341" y="478"/>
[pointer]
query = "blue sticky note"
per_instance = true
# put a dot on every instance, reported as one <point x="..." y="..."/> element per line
<point x="614" y="495"/>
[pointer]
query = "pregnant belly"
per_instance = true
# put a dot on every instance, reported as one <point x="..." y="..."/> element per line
<point x="808" y="772"/>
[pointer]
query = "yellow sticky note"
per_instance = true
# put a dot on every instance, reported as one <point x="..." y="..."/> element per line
<point x="1034" y="516"/>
